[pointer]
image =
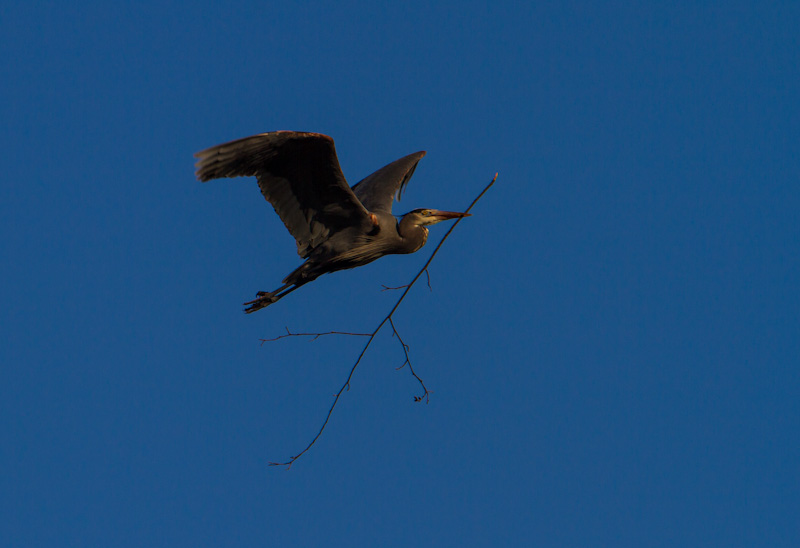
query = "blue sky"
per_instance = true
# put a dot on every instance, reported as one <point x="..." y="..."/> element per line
<point x="611" y="339"/>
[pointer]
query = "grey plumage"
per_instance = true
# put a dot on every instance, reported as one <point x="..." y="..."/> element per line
<point x="335" y="227"/>
<point x="377" y="191"/>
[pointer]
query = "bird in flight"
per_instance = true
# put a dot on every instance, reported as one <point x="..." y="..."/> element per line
<point x="335" y="226"/>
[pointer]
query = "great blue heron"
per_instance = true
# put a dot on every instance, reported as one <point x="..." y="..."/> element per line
<point x="336" y="227"/>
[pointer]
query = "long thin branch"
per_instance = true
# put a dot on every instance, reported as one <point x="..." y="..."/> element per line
<point x="388" y="318"/>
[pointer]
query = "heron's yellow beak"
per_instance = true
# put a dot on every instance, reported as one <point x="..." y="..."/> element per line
<point x="445" y="215"/>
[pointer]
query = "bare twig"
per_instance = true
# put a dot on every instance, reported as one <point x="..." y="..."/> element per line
<point x="425" y="392"/>
<point x="372" y="335"/>
<point x="387" y="288"/>
<point x="314" y="335"/>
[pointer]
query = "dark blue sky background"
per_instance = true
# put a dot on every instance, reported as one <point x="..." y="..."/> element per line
<point x="611" y="339"/>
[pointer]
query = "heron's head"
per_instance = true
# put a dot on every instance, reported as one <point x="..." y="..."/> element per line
<point x="426" y="217"/>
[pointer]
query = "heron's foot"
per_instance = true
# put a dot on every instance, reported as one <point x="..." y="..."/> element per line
<point x="263" y="298"/>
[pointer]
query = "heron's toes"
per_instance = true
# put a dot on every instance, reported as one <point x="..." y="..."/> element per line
<point x="263" y="296"/>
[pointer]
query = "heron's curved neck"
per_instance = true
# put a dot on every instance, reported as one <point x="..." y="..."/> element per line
<point x="414" y="236"/>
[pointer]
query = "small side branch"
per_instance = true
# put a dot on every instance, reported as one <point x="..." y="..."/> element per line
<point x="314" y="336"/>
<point x="425" y="392"/>
<point x="387" y="288"/>
<point x="427" y="275"/>
<point x="387" y="319"/>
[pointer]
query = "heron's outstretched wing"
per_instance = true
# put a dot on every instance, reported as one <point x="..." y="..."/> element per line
<point x="377" y="191"/>
<point x="299" y="174"/>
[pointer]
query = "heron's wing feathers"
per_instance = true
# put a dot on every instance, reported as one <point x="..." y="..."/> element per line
<point x="377" y="191"/>
<point x="299" y="174"/>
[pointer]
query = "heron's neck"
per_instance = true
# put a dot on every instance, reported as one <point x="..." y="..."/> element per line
<point x="414" y="236"/>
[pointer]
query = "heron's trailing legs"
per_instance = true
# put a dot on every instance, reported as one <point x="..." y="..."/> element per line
<point x="300" y="276"/>
<point x="266" y="298"/>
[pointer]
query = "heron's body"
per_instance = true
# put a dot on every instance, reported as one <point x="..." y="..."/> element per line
<point x="336" y="227"/>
